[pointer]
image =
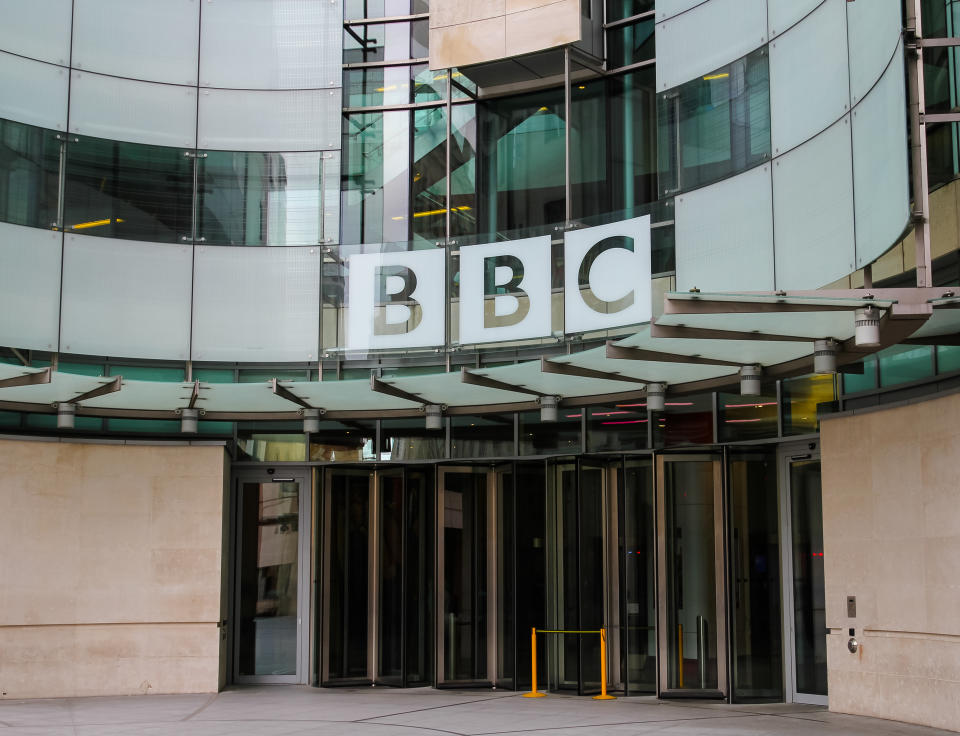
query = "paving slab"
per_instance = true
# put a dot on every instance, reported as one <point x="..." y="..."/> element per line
<point x="285" y="710"/>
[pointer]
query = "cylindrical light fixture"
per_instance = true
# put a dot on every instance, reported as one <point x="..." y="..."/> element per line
<point x="434" y="414"/>
<point x="825" y="356"/>
<point x="750" y="380"/>
<point x="66" y="414"/>
<point x="548" y="408"/>
<point x="311" y="420"/>
<point x="656" y="396"/>
<point x="188" y="420"/>
<point x="867" y="327"/>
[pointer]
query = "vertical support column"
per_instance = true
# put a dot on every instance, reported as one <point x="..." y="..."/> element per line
<point x="566" y="134"/>
<point x="918" y="145"/>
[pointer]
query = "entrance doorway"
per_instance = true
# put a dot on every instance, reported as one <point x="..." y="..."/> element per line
<point x="804" y="598"/>
<point x="377" y="566"/>
<point x="272" y="586"/>
<point x="691" y="573"/>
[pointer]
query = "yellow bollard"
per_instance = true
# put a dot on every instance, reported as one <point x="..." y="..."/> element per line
<point x="603" y="668"/>
<point x="679" y="655"/>
<point x="533" y="668"/>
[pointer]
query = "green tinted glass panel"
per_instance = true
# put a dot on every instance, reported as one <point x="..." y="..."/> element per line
<point x="149" y="373"/>
<point x="260" y="198"/>
<point x="81" y="369"/>
<point x="215" y="428"/>
<point x="857" y="382"/>
<point x="128" y="190"/>
<point x="632" y="102"/>
<point x="213" y="375"/>
<point x="258" y="376"/>
<point x="9" y="419"/>
<point x="144" y="426"/>
<point x="620" y="9"/>
<point x="716" y="125"/>
<point x="902" y="364"/>
<point x="29" y="175"/>
<point x="948" y="358"/>
<point x="631" y="44"/>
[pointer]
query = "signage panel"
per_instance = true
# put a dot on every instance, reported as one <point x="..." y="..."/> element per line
<point x="607" y="276"/>
<point x="505" y="290"/>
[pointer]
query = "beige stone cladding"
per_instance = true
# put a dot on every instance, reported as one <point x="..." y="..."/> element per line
<point x="464" y="32"/>
<point x="891" y="523"/>
<point x="110" y="581"/>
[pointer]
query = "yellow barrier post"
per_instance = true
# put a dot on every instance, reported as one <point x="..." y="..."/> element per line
<point x="533" y="668"/>
<point x="603" y="668"/>
<point x="680" y="655"/>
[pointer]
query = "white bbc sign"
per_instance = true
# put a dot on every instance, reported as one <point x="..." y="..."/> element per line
<point x="399" y="299"/>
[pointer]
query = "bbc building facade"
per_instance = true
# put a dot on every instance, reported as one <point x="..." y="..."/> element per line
<point x="343" y="343"/>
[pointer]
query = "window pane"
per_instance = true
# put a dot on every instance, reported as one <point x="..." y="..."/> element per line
<point x="270" y="447"/>
<point x="29" y="175"/>
<point x="631" y="44"/>
<point x="260" y="198"/>
<point x="856" y="382"/>
<point x="748" y="417"/>
<point x="619" y="9"/>
<point x="715" y="126"/>
<point x="463" y="177"/>
<point x="617" y="427"/>
<point x="407" y="439"/>
<point x="336" y="442"/>
<point x="802" y="398"/>
<point x="490" y="435"/>
<point x="128" y="190"/>
<point x="393" y="85"/>
<point x="901" y="364"/>
<point x="632" y="100"/>
<point x="550" y="438"/>
<point x="428" y="176"/>
<point x="588" y="149"/>
<point x="948" y="358"/>
<point x="687" y="420"/>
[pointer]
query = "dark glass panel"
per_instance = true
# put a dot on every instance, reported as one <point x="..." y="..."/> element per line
<point x="640" y="597"/>
<point x="631" y="44"/>
<point x="716" y="125"/>
<point x="428" y="176"/>
<point x="747" y="417"/>
<point x="905" y="363"/>
<point x="686" y="420"/>
<point x="550" y="438"/>
<point x="633" y="181"/>
<point x="419" y="575"/>
<point x="619" y="9"/>
<point x="260" y="198"/>
<point x="270" y="447"/>
<point x="856" y="382"/>
<point x="563" y="650"/>
<point x="589" y="149"/>
<point x="407" y="439"/>
<point x="806" y="511"/>
<point x="618" y="427"/>
<point x="390" y="560"/>
<point x="339" y="442"/>
<point x="29" y="175"/>
<point x="755" y="579"/>
<point x="590" y="567"/>
<point x="349" y="567"/>
<point x="940" y="18"/>
<point x="530" y="564"/>
<point x="465" y="577"/>
<point x="663" y="254"/>
<point x="490" y="435"/>
<point x="691" y="576"/>
<point x="128" y="190"/>
<point x="269" y="532"/>
<point x="144" y="426"/>
<point x="507" y="560"/>
<point x="948" y="358"/>
<point x="802" y="398"/>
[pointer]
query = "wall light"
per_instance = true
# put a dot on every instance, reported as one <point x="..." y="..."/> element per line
<point x="867" y="323"/>
<point x="66" y="414"/>
<point x="548" y="408"/>
<point x="750" y="380"/>
<point x="825" y="356"/>
<point x="656" y="396"/>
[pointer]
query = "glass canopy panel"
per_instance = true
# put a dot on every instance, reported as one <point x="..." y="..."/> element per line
<point x="245" y="397"/>
<point x="145" y="396"/>
<point x="62" y="387"/>
<point x="763" y="352"/>
<point x="814" y="325"/>
<point x="447" y="388"/>
<point x="346" y="395"/>
<point x="662" y="371"/>
<point x="530" y="376"/>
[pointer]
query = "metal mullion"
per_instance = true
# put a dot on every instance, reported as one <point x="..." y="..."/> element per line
<point x="403" y="576"/>
<point x="374" y="64"/>
<point x="568" y="188"/>
<point x="578" y="468"/>
<point x="648" y="15"/>
<point x="387" y="108"/>
<point x="386" y="19"/>
<point x="632" y="67"/>
<point x="373" y="568"/>
<point x="622" y="574"/>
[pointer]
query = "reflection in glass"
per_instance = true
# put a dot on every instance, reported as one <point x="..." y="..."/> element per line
<point x="390" y="578"/>
<point x="802" y="399"/>
<point x="716" y="125"/>
<point x="419" y="575"/>
<point x="686" y="420"/>
<point x="747" y="417"/>
<point x="128" y="190"/>
<point x="690" y="560"/>
<point x="465" y="577"/>
<point x="348" y="530"/>
<point x="633" y="181"/>
<point x="260" y="198"/>
<point x="29" y="175"/>
<point x="810" y="621"/>
<point x="406" y="439"/>
<point x="273" y="447"/>
<point x="393" y="85"/>
<point x="640" y="597"/>
<point x="620" y="9"/>
<point x="530" y="513"/>
<point x="507" y="571"/>
<point x="617" y="427"/>
<point x="948" y="358"/>
<point x="631" y="44"/>
<point x="550" y="438"/>
<point x="490" y="435"/>
<point x="755" y="578"/>
<point x="463" y="168"/>
<point x="905" y="363"/>
<point x="338" y="442"/>
<point x="376" y="196"/>
<point x="428" y="176"/>
<point x="267" y="631"/>
<point x="856" y="382"/>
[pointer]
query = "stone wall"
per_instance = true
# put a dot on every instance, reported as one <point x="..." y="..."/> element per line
<point x="112" y="557"/>
<point x="891" y="521"/>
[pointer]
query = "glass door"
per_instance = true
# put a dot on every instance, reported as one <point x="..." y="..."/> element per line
<point x="804" y="600"/>
<point x="270" y="643"/>
<point x="348" y="598"/>
<point x="692" y="618"/>
<point x="466" y="580"/>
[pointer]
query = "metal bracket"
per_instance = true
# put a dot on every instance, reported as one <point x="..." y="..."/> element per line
<point x="284" y="393"/>
<point x="110" y="387"/>
<point x="28" y="379"/>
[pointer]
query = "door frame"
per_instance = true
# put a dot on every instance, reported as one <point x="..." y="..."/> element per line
<point x="720" y="577"/>
<point x="303" y="477"/>
<point x="786" y="454"/>
<point x="490" y="472"/>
